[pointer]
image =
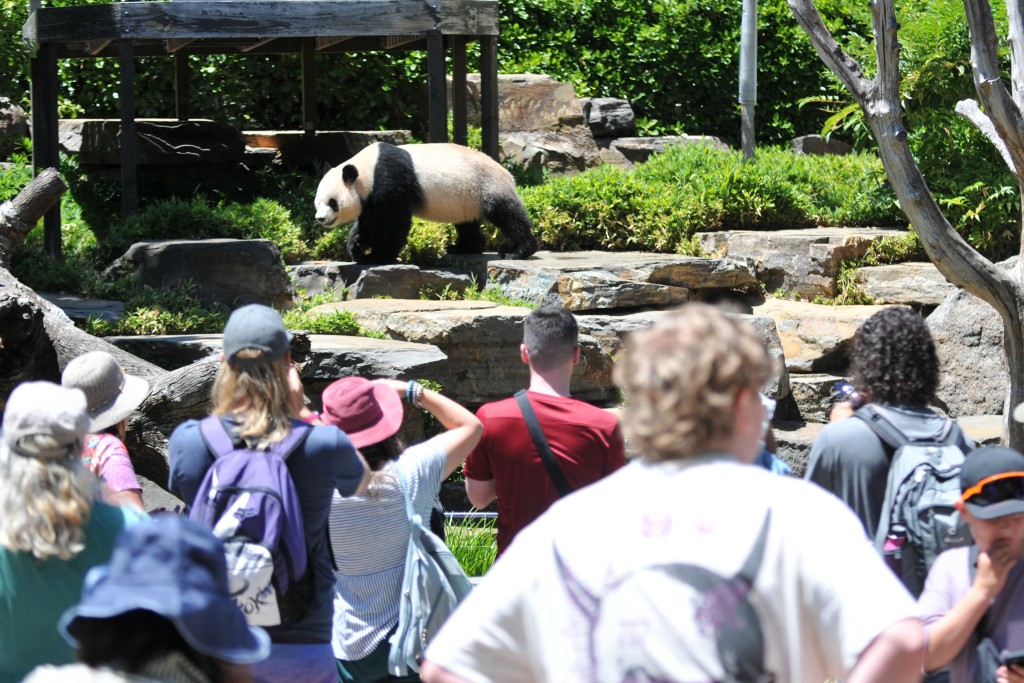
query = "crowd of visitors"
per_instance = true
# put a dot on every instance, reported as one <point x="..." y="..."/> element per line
<point x="694" y="562"/>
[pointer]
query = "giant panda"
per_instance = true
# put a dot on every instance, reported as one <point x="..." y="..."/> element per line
<point x="384" y="186"/>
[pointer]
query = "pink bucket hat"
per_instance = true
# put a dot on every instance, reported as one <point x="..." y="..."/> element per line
<point x="368" y="413"/>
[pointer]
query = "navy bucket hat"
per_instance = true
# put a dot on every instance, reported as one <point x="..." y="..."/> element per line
<point x="175" y="568"/>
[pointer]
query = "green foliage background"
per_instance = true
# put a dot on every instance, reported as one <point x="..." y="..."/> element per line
<point x="676" y="61"/>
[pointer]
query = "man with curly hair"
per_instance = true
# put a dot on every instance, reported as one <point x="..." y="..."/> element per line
<point x="689" y="564"/>
<point x="894" y="367"/>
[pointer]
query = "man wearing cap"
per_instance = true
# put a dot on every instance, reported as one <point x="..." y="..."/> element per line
<point x="977" y="592"/>
<point x="52" y="530"/>
<point x="691" y="563"/>
<point x="584" y="440"/>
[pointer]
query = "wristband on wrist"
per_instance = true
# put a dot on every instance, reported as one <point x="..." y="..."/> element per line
<point x="413" y="393"/>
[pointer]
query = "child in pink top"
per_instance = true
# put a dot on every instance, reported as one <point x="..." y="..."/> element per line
<point x="112" y="397"/>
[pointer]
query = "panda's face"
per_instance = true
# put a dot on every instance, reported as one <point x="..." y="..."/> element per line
<point x="337" y="200"/>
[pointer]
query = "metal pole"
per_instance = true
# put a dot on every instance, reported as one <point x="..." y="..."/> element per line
<point x="748" y="76"/>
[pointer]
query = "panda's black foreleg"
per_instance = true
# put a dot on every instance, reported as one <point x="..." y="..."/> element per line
<point x="468" y="239"/>
<point x="356" y="251"/>
<point x="509" y="215"/>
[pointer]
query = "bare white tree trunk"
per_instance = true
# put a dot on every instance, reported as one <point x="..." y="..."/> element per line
<point x="999" y="118"/>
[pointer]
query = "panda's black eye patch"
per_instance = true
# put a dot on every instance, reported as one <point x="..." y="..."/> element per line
<point x="333" y="204"/>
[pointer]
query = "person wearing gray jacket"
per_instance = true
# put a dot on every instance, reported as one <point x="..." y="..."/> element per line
<point x="894" y="367"/>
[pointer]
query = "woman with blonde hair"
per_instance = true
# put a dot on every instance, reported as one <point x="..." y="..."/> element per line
<point x="256" y="400"/>
<point x="52" y="528"/>
<point x="370" y="532"/>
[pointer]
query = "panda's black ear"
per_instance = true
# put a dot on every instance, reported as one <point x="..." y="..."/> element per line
<point x="349" y="173"/>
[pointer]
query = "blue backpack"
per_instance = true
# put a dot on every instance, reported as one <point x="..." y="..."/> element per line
<point x="249" y="501"/>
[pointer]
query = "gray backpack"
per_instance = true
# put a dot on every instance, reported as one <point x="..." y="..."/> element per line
<point x="919" y="517"/>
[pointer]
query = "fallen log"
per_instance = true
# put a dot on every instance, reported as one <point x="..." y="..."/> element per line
<point x="20" y="214"/>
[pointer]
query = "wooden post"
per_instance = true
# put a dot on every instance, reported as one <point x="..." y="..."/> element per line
<point x="182" y="87"/>
<point x="309" y="122"/>
<point x="129" y="145"/>
<point x="436" y="86"/>
<point x="460" y="124"/>
<point x="45" y="151"/>
<point x="489" y="94"/>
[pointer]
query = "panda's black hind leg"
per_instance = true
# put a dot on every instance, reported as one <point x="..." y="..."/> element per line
<point x="468" y="239"/>
<point x="509" y="215"/>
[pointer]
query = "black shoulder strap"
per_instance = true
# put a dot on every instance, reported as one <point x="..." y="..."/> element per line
<point x="539" y="440"/>
<point x="890" y="435"/>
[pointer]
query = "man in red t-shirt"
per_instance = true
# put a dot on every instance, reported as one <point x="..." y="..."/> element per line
<point x="586" y="441"/>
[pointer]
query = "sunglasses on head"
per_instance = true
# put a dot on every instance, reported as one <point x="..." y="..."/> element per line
<point x="996" y="489"/>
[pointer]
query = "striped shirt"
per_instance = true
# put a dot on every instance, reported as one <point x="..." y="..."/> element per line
<point x="370" y="536"/>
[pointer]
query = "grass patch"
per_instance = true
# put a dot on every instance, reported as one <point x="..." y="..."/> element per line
<point x="474" y="543"/>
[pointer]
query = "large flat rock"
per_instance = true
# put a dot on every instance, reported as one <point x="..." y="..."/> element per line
<point x="802" y="262"/>
<point x="481" y="340"/>
<point x="815" y="337"/>
<point x="80" y="309"/>
<point x="912" y="284"/>
<point x="329" y="357"/>
<point x="592" y="280"/>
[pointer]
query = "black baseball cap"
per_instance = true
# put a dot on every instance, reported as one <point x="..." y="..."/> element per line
<point x="992" y="482"/>
<point x="256" y="327"/>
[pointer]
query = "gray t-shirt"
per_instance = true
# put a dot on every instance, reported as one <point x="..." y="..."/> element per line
<point x="948" y="582"/>
<point x="849" y="460"/>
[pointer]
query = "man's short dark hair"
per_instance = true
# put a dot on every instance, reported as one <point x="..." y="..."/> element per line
<point x="550" y="334"/>
<point x="894" y="358"/>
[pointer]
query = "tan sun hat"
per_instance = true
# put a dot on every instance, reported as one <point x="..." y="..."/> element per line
<point x="110" y="393"/>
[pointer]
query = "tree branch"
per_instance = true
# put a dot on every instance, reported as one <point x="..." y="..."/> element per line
<point x="1015" y="18"/>
<point x="20" y="214"/>
<point x="842" y="65"/>
<point x="970" y="110"/>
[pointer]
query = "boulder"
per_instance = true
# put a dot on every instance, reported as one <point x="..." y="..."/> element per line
<point x="813" y="395"/>
<point x="610" y="333"/>
<point x="13" y="127"/>
<point x="793" y="442"/>
<point x="317" y="277"/>
<point x="639" y="150"/>
<point x="80" y="309"/>
<point x="815" y="337"/>
<point x="403" y="281"/>
<point x="159" y="141"/>
<point x="226" y="271"/>
<point x="481" y="340"/>
<point x="819" y="145"/>
<point x="558" y="153"/>
<point x="801" y="262"/>
<point x="911" y="284"/>
<point x="594" y="280"/>
<point x="609" y="117"/>
<point x="968" y="335"/>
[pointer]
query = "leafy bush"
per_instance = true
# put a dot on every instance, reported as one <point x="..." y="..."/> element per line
<point x="694" y="188"/>
<point x="198" y="219"/>
<point x="177" y="310"/>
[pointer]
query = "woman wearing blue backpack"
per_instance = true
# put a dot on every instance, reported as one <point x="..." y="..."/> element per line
<point x="256" y="401"/>
<point x="370" y="531"/>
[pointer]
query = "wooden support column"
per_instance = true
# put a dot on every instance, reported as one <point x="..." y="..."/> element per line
<point x="129" y="144"/>
<point x="45" y="150"/>
<point x="182" y="87"/>
<point x="489" y="95"/>
<point x="436" y="86"/>
<point x="309" y="86"/>
<point x="460" y="125"/>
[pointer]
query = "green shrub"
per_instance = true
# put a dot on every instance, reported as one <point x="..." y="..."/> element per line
<point x="473" y="542"/>
<point x="428" y="243"/>
<point x="176" y="310"/>
<point x="198" y="219"/>
<point x="694" y="188"/>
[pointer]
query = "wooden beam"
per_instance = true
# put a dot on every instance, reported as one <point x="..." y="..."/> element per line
<point x="259" y="19"/>
<point x="182" y="87"/>
<point x="129" y="144"/>
<point x="489" y="95"/>
<point x="436" y="86"/>
<point x="45" y="149"/>
<point x="257" y="44"/>
<point x="308" y="58"/>
<point x="174" y="45"/>
<point x="391" y="42"/>
<point x="324" y="42"/>
<point x="460" y="125"/>
<point x="94" y="47"/>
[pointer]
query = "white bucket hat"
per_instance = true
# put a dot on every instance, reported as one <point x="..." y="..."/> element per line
<point x="111" y="394"/>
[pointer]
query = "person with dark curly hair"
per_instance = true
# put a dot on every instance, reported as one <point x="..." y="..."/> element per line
<point x="894" y="368"/>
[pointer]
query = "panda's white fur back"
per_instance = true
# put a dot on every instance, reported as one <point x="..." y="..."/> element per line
<point x="455" y="180"/>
